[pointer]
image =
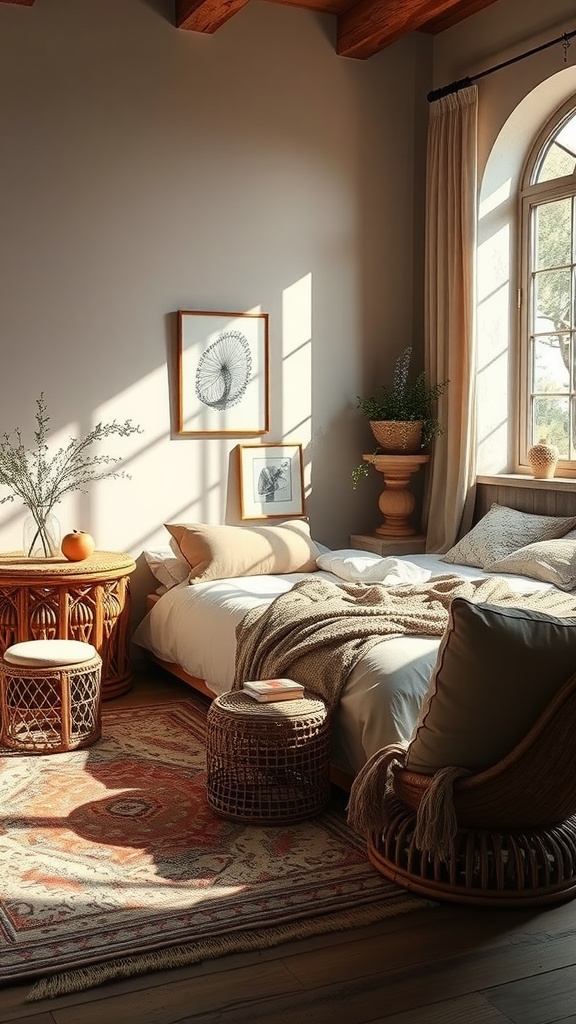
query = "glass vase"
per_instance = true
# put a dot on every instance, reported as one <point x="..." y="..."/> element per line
<point x="41" y="536"/>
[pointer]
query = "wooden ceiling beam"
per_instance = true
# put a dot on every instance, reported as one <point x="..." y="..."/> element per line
<point x="205" y="15"/>
<point x="368" y="26"/>
<point x="23" y="3"/>
<point x="448" y="20"/>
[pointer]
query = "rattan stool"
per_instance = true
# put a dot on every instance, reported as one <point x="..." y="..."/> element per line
<point x="267" y="762"/>
<point x="50" y="696"/>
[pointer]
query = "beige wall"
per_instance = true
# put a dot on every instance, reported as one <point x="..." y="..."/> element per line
<point x="145" y="170"/>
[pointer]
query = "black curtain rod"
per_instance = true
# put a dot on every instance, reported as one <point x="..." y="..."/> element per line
<point x="463" y="83"/>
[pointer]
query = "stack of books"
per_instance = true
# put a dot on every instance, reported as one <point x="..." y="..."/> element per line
<point x="273" y="689"/>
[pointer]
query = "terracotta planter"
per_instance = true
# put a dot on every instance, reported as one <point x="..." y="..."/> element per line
<point x="398" y="437"/>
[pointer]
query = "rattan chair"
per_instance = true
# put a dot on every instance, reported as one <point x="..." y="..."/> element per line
<point x="513" y="841"/>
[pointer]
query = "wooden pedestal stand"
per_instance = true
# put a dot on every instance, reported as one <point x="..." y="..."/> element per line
<point x="396" y="502"/>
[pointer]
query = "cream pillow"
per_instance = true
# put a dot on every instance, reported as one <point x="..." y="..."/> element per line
<point x="222" y="552"/>
<point x="503" y="530"/>
<point x="497" y="669"/>
<point x="552" y="561"/>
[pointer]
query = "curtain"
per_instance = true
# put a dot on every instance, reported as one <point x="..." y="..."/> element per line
<point x="449" y="346"/>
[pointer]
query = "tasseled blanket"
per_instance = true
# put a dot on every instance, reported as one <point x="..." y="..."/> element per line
<point x="318" y="631"/>
<point x="372" y="793"/>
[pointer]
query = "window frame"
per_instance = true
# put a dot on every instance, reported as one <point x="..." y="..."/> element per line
<point x="531" y="196"/>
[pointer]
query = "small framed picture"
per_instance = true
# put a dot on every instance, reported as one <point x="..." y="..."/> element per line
<point x="271" y="481"/>
<point x="222" y="366"/>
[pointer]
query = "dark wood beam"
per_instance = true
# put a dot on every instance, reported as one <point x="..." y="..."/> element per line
<point x="205" y="15"/>
<point x="368" y="26"/>
<point x="24" y="3"/>
<point x="466" y="8"/>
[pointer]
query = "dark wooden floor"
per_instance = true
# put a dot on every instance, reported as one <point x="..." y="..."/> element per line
<point x="443" y="965"/>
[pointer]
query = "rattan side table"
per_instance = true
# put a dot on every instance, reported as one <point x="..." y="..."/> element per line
<point x="54" y="599"/>
<point x="267" y="762"/>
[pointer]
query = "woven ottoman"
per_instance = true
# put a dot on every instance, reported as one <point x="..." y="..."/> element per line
<point x="50" y="696"/>
<point x="267" y="762"/>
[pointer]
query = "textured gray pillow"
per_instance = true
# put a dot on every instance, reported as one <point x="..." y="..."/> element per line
<point x="552" y="561"/>
<point x="497" y="669"/>
<point x="503" y="530"/>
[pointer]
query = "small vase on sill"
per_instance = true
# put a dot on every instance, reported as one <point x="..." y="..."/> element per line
<point x="41" y="536"/>
<point x="543" y="459"/>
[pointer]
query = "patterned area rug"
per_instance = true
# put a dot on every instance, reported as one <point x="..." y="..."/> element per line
<point x="112" y="864"/>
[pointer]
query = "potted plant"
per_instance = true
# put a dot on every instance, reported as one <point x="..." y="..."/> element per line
<point x="402" y="416"/>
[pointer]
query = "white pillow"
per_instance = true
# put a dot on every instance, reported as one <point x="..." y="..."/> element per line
<point x="168" y="568"/>
<point x="503" y="530"/>
<point x="365" y="567"/>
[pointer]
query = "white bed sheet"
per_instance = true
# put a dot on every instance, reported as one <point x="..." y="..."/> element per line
<point x="194" y="627"/>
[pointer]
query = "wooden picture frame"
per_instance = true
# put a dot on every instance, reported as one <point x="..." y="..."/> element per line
<point x="222" y="369"/>
<point x="271" y="481"/>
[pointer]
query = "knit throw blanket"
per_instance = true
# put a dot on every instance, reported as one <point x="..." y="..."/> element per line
<point x="316" y="632"/>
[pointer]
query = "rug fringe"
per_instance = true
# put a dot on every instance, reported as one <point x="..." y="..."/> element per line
<point x="84" y="978"/>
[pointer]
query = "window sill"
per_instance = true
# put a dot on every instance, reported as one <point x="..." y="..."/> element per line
<point x="557" y="483"/>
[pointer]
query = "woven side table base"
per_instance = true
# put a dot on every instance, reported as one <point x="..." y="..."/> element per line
<point x="267" y="762"/>
<point x="488" y="868"/>
<point x="50" y="708"/>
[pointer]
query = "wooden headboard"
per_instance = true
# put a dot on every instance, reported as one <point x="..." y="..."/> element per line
<point x="542" y="497"/>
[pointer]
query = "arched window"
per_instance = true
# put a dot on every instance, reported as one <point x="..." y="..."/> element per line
<point x="547" y="295"/>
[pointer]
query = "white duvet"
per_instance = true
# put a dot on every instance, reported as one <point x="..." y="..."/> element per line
<point x="194" y="627"/>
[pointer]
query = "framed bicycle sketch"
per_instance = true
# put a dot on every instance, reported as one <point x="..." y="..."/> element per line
<point x="271" y="481"/>
<point x="222" y="366"/>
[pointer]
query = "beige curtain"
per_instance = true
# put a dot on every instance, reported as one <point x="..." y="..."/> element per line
<point x="451" y="214"/>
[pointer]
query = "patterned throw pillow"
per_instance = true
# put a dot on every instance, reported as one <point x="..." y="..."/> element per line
<point x="503" y="530"/>
<point x="552" y="561"/>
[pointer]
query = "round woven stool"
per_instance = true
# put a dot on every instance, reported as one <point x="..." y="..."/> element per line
<point x="50" y="696"/>
<point x="267" y="762"/>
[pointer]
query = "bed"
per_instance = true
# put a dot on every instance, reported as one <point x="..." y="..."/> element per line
<point x="191" y="629"/>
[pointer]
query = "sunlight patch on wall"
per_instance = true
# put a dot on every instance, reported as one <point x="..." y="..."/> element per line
<point x="101" y="504"/>
<point x="493" y="349"/>
<point x="173" y="478"/>
<point x="157" y="482"/>
<point x="495" y="199"/>
<point x="297" y="367"/>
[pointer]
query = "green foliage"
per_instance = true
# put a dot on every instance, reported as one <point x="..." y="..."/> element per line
<point x="403" y="401"/>
<point x="406" y="401"/>
<point x="553" y="227"/>
<point x="42" y="481"/>
<point x="359" y="471"/>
